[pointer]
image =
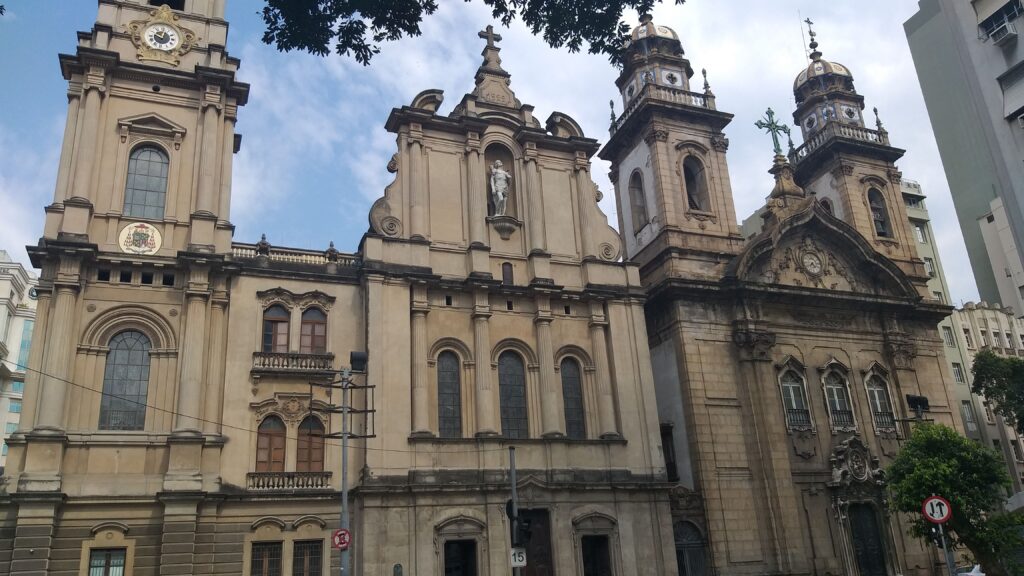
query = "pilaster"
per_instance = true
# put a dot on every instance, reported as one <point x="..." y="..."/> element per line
<point x="420" y="394"/>
<point x="605" y="396"/>
<point x="486" y="425"/>
<point x="552" y="423"/>
<point x="34" y="533"/>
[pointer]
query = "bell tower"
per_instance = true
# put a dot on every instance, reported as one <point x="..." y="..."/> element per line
<point x="135" y="238"/>
<point x="667" y="152"/>
<point x="850" y="167"/>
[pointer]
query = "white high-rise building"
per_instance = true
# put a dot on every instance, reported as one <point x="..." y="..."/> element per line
<point x="17" y="318"/>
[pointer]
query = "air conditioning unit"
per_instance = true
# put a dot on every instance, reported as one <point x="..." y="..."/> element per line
<point x="1003" y="34"/>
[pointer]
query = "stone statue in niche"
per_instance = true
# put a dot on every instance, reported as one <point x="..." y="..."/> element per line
<point x="500" y="180"/>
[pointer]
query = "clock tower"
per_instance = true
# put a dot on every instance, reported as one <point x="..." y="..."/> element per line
<point x="132" y="257"/>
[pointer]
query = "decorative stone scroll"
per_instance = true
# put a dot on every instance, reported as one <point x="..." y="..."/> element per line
<point x="291" y="300"/>
<point x="754" y="344"/>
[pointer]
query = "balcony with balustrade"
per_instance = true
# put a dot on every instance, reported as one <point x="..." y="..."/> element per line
<point x="701" y="103"/>
<point x="288" y="481"/>
<point x="843" y="419"/>
<point x="266" y="363"/>
<point x="836" y="136"/>
<point x="798" y="419"/>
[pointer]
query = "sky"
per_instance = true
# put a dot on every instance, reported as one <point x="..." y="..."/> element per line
<point x="314" y="148"/>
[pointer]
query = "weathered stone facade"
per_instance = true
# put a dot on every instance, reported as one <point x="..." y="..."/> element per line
<point x="781" y="361"/>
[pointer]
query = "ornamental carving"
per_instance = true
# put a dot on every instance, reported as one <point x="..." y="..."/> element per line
<point x="656" y="135"/>
<point x="824" y="319"/>
<point x="292" y="408"/>
<point x="160" y="37"/>
<point x="291" y="300"/>
<point x="809" y="265"/>
<point x="755" y="344"/>
<point x="842" y="170"/>
<point x="901" y="349"/>
<point x="856" y="476"/>
<point x="719" y="142"/>
<point x="682" y="498"/>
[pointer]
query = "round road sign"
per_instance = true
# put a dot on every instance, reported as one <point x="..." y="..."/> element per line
<point x="936" y="509"/>
<point x="341" y="539"/>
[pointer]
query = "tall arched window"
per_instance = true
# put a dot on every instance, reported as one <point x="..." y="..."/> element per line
<point x="125" y="382"/>
<point x="512" y="389"/>
<point x="879" y="214"/>
<point x="837" y="394"/>
<point x="145" y="190"/>
<point x="637" y="201"/>
<point x="881" y="406"/>
<point x="309" y="455"/>
<point x="313" y="335"/>
<point x="696" y="183"/>
<point x="270" y="439"/>
<point x="449" y="396"/>
<point x="275" y="329"/>
<point x="572" y="394"/>
<point x="690" y="549"/>
<point x="794" y="397"/>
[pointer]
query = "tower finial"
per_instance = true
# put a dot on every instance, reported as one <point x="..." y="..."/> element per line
<point x="770" y="124"/>
<point x="815" y="54"/>
<point x="707" y="86"/>
<point x="611" y="104"/>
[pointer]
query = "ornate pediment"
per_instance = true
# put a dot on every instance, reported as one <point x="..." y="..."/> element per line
<point x="854" y="467"/>
<point x="292" y="408"/>
<point x="813" y="249"/>
<point x="151" y="125"/>
<point x="292" y="300"/>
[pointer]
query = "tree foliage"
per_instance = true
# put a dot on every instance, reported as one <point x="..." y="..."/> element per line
<point x="357" y="27"/>
<point x="1001" y="381"/>
<point x="938" y="460"/>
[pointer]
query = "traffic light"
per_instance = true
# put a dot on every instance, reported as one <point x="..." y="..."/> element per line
<point x="520" y="532"/>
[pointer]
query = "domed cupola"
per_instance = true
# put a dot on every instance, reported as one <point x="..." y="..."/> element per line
<point x="652" y="55"/>
<point x="824" y="92"/>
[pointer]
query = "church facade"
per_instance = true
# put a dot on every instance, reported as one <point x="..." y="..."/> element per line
<point x="681" y="401"/>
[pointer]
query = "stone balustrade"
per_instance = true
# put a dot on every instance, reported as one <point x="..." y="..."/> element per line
<point x="665" y="94"/>
<point x="293" y="255"/>
<point x="275" y="481"/>
<point x="836" y="129"/>
<point x="291" y="362"/>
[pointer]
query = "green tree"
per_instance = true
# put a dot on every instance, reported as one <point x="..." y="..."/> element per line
<point x="1001" y="381"/>
<point x="357" y="27"/>
<point x="938" y="460"/>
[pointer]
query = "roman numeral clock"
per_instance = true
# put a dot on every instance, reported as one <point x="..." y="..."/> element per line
<point x="161" y="38"/>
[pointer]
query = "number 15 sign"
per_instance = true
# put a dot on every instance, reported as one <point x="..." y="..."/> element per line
<point x="936" y="509"/>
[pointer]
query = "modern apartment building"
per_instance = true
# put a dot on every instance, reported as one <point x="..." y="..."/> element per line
<point x="17" y="318"/>
<point x="969" y="62"/>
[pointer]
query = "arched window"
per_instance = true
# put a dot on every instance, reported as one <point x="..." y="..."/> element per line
<point x="275" y="329"/>
<point x="837" y="394"/>
<point x="881" y="406"/>
<point x="310" y="447"/>
<point x="449" y="396"/>
<point x="794" y="397"/>
<point x="313" y="335"/>
<point x="572" y="394"/>
<point x="270" y="445"/>
<point x="827" y="205"/>
<point x="145" y="190"/>
<point x="512" y="389"/>
<point x="690" y="549"/>
<point x="637" y="201"/>
<point x="125" y="382"/>
<point x="879" y="214"/>
<point x="507" y="274"/>
<point x="696" y="183"/>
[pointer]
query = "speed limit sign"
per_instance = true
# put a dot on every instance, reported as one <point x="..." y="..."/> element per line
<point x="936" y="509"/>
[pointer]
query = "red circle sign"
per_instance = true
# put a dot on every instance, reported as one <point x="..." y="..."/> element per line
<point x="936" y="509"/>
<point x="341" y="539"/>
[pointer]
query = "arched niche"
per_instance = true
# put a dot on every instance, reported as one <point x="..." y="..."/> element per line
<point x="497" y="152"/>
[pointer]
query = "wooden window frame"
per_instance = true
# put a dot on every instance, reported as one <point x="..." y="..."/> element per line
<point x="311" y="342"/>
<point x="265" y="440"/>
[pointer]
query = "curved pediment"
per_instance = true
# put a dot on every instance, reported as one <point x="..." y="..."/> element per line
<point x="813" y="249"/>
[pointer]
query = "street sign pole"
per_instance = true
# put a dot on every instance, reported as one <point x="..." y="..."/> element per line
<point x="938" y="510"/>
<point x="949" y="553"/>
<point x="346" y="376"/>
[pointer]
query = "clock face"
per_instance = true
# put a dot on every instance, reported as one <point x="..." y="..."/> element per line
<point x="812" y="263"/>
<point x="161" y="37"/>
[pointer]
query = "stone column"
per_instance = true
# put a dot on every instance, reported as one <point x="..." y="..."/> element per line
<point x="770" y="447"/>
<point x="212" y="412"/>
<point x="420" y="393"/>
<point x="178" y="539"/>
<point x="586" y="205"/>
<point x="33" y="536"/>
<point x="477" y="191"/>
<point x="417" y="195"/>
<point x="657" y="142"/>
<point x="552" y="422"/>
<point x="67" y="148"/>
<point x="602" y="372"/>
<point x="190" y="382"/>
<point x="210" y="155"/>
<point x="57" y="358"/>
<point x="536" y="207"/>
<point x="485" y="424"/>
<point x="228" y="148"/>
<point x="33" y="378"/>
<point x="86" y="149"/>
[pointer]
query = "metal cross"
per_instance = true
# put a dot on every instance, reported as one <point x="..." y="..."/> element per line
<point x="810" y="30"/>
<point x="489" y="34"/>
<point x="773" y="127"/>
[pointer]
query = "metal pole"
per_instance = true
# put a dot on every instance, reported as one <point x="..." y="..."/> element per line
<point x="515" y="498"/>
<point x="949" y="553"/>
<point x="345" y="381"/>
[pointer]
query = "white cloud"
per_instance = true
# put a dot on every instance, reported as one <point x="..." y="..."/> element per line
<point x="27" y="178"/>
